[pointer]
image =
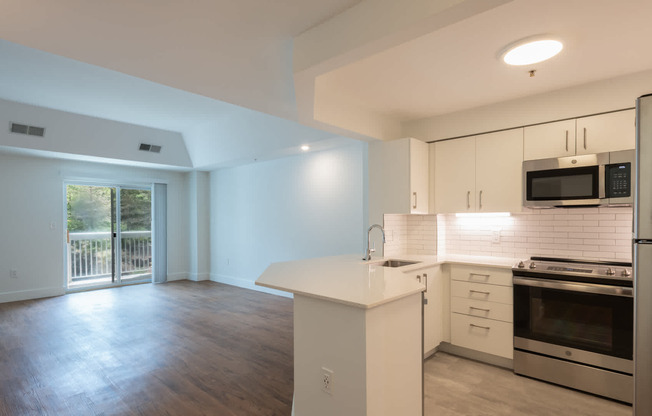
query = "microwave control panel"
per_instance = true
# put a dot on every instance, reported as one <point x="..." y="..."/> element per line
<point x="619" y="180"/>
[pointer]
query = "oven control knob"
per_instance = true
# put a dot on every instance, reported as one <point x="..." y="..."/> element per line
<point x="610" y="271"/>
<point x="533" y="265"/>
<point x="626" y="273"/>
<point x="520" y="265"/>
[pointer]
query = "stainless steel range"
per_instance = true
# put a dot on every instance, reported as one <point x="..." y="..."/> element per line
<point x="573" y="324"/>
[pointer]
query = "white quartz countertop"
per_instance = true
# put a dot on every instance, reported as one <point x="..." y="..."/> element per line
<point x="350" y="280"/>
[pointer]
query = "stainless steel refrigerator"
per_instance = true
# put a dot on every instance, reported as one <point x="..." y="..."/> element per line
<point x="643" y="259"/>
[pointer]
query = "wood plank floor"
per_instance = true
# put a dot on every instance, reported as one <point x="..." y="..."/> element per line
<point x="180" y="348"/>
<point x="186" y="348"/>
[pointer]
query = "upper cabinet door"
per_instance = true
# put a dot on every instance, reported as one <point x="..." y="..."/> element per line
<point x="499" y="161"/>
<point x="455" y="175"/>
<point x="606" y="132"/>
<point x="419" y="185"/>
<point x="549" y="140"/>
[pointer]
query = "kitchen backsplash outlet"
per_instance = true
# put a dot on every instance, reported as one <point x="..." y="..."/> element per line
<point x="585" y="233"/>
<point x="410" y="234"/>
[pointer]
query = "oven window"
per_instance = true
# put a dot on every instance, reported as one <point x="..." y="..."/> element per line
<point x="559" y="184"/>
<point x="598" y="323"/>
<point x="581" y="324"/>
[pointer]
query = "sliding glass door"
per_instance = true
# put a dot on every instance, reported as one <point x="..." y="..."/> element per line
<point x="109" y="235"/>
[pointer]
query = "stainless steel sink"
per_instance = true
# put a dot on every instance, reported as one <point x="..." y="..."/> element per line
<point x="396" y="263"/>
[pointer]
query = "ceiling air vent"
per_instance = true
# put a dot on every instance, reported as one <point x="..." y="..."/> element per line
<point x="25" y="129"/>
<point x="149" y="148"/>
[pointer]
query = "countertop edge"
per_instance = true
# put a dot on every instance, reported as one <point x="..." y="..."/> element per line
<point x="343" y="301"/>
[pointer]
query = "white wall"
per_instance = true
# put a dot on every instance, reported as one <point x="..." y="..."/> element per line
<point x="32" y="197"/>
<point x="199" y="219"/>
<point x="592" y="98"/>
<point x="304" y="206"/>
<point x="75" y="134"/>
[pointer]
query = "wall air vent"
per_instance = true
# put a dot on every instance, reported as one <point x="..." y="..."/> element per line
<point x="25" y="129"/>
<point x="149" y="148"/>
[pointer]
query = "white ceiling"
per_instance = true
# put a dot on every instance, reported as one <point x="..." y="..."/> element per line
<point x="220" y="71"/>
<point x="458" y="66"/>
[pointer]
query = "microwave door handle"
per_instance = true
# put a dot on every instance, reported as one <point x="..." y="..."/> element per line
<point x="601" y="181"/>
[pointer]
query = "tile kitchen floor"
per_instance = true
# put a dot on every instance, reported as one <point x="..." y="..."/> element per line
<point x="455" y="386"/>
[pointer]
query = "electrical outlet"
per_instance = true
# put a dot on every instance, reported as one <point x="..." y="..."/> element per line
<point x="495" y="236"/>
<point x="13" y="273"/>
<point x="327" y="380"/>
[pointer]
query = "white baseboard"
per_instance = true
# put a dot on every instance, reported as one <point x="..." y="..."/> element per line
<point x="247" y="284"/>
<point x="199" y="276"/>
<point x="31" y="294"/>
<point x="177" y="276"/>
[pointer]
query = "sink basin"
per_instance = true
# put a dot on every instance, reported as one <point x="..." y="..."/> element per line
<point x="396" y="263"/>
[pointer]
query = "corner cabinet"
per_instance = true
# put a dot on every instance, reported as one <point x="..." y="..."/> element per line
<point x="398" y="178"/>
<point x="480" y="173"/>
<point x="433" y="307"/>
<point x="586" y="135"/>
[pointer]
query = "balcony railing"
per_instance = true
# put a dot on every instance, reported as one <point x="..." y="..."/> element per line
<point x="90" y="256"/>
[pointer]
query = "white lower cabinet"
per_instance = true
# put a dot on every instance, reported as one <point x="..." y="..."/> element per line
<point x="481" y="334"/>
<point x="482" y="313"/>
<point x="433" y="311"/>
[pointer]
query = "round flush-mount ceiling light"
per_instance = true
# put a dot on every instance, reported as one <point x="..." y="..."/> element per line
<point x="531" y="51"/>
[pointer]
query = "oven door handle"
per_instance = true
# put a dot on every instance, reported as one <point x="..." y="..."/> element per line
<point x="575" y="286"/>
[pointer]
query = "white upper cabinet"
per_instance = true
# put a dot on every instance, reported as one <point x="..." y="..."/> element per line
<point x="480" y="173"/>
<point x="455" y="175"/>
<point x="549" y="140"/>
<point x="587" y="135"/>
<point x="398" y="178"/>
<point x="419" y="161"/>
<point x="498" y="178"/>
<point x="606" y="132"/>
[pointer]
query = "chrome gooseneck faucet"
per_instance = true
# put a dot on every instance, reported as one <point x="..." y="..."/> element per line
<point x="369" y="249"/>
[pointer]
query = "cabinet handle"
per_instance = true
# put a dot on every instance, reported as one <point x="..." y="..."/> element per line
<point x="419" y="278"/>
<point x="479" y="291"/>
<point x="414" y="205"/>
<point x="567" y="140"/>
<point x="468" y="200"/>
<point x="584" y="138"/>
<point x="425" y="276"/>
<point x="480" y="202"/>
<point x="480" y="326"/>
<point x="485" y="276"/>
<point x="480" y="309"/>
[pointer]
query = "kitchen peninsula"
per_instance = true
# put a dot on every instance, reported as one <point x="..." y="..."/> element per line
<point x="357" y="336"/>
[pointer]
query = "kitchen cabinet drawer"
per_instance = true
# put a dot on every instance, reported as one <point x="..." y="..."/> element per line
<point x="485" y="335"/>
<point x="492" y="276"/>
<point x="483" y="309"/>
<point x="481" y="291"/>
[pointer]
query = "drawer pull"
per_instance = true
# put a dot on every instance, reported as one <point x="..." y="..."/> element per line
<point x="479" y="326"/>
<point x="480" y="309"/>
<point x="485" y="276"/>
<point x="479" y="291"/>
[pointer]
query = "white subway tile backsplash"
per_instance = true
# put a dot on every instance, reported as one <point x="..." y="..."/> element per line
<point x="411" y="234"/>
<point x="584" y="233"/>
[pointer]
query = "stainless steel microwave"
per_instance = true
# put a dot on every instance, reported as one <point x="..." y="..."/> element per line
<point x="584" y="180"/>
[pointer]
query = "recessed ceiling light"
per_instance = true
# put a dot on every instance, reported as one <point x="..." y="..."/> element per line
<point x="305" y="147"/>
<point x="531" y="51"/>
